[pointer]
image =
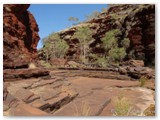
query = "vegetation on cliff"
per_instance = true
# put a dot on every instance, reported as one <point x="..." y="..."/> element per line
<point x="84" y="35"/>
<point x="54" y="47"/>
<point x="109" y="37"/>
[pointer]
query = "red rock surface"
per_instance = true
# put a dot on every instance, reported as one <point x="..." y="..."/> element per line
<point x="20" y="36"/>
<point x="66" y="94"/>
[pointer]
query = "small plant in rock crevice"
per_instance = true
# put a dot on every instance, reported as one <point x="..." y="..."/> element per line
<point x="122" y="106"/>
<point x="85" y="109"/>
<point x="143" y="81"/>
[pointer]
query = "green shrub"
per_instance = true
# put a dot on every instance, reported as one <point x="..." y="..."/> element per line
<point x="102" y="62"/>
<point x="45" y="64"/>
<point x="117" y="54"/>
<point x="110" y="43"/>
<point x="93" y="15"/>
<point x="110" y="40"/>
<point x="125" y="42"/>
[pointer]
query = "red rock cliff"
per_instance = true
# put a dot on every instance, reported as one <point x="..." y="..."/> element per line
<point x="136" y="22"/>
<point x="20" y="36"/>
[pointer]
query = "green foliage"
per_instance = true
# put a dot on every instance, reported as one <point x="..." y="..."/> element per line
<point x="84" y="111"/>
<point x="84" y="35"/>
<point x="113" y="52"/>
<point x="125" y="42"/>
<point x="115" y="16"/>
<point x="47" y="48"/>
<point x="61" y="48"/>
<point x="54" y="46"/>
<point x="74" y="20"/>
<point x="110" y="40"/>
<point x="95" y="14"/>
<point x="92" y="56"/>
<point x="142" y="81"/>
<point x="45" y="64"/>
<point x="131" y="54"/>
<point x="117" y="54"/>
<point x="104" y="9"/>
<point x="122" y="106"/>
<point x="102" y="62"/>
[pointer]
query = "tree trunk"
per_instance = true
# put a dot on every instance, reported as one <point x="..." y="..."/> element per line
<point x="84" y="51"/>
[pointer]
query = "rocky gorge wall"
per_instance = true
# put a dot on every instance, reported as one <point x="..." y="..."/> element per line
<point x="136" y="22"/>
<point x="20" y="36"/>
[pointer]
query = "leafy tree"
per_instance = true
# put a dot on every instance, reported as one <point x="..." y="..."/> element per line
<point x="84" y="35"/>
<point x="74" y="20"/>
<point x="61" y="48"/>
<point x="46" y="48"/>
<point x="95" y="14"/>
<point x="104" y="9"/>
<point x="110" y="40"/>
<point x="54" y="46"/>
<point x="114" y="53"/>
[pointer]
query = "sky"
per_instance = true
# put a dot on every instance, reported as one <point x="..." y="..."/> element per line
<point x="54" y="17"/>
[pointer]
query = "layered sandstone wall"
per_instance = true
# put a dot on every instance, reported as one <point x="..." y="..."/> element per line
<point x="20" y="36"/>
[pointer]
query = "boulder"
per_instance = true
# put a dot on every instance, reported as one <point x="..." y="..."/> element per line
<point x="137" y="72"/>
<point x="136" y="63"/>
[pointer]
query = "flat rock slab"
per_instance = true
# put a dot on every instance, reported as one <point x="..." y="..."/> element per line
<point x="98" y="83"/>
<point x="43" y="82"/>
<point x="46" y="92"/>
<point x="12" y="75"/>
<point x="92" y="74"/>
<point x="24" y="95"/>
<point x="87" y="106"/>
<point x="73" y="96"/>
<point x="27" y="110"/>
<point x="60" y="97"/>
<point x="39" y="103"/>
<point x="59" y="101"/>
<point x="24" y="83"/>
<point x="9" y="101"/>
<point x="138" y="97"/>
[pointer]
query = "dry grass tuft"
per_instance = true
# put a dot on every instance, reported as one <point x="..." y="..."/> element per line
<point x="143" y="80"/>
<point x="122" y="106"/>
<point x="32" y="66"/>
<point x="84" y="111"/>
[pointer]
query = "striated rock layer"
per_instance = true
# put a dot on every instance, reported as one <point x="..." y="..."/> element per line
<point x="136" y="22"/>
<point x="20" y="36"/>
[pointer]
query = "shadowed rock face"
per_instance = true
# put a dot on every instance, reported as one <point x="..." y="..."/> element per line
<point x="20" y="36"/>
<point x="136" y="22"/>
